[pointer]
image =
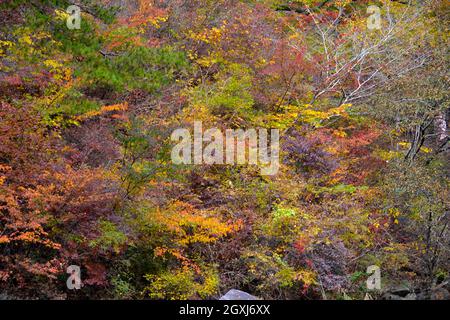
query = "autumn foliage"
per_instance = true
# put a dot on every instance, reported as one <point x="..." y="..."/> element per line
<point x="86" y="176"/>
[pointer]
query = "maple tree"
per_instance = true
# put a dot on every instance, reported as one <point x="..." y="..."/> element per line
<point x="86" y="178"/>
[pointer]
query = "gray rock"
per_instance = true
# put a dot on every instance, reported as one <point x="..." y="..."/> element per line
<point x="234" y="294"/>
<point x="390" y="296"/>
<point x="410" y="296"/>
<point x="401" y="291"/>
<point x="5" y="296"/>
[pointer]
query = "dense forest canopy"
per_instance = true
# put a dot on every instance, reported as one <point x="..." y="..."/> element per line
<point x="358" y="91"/>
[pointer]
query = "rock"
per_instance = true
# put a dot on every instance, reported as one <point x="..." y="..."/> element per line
<point x="390" y="296"/>
<point x="368" y="296"/>
<point x="5" y="296"/>
<point x="410" y="296"/>
<point x="234" y="294"/>
<point x="423" y="295"/>
<point x="401" y="291"/>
